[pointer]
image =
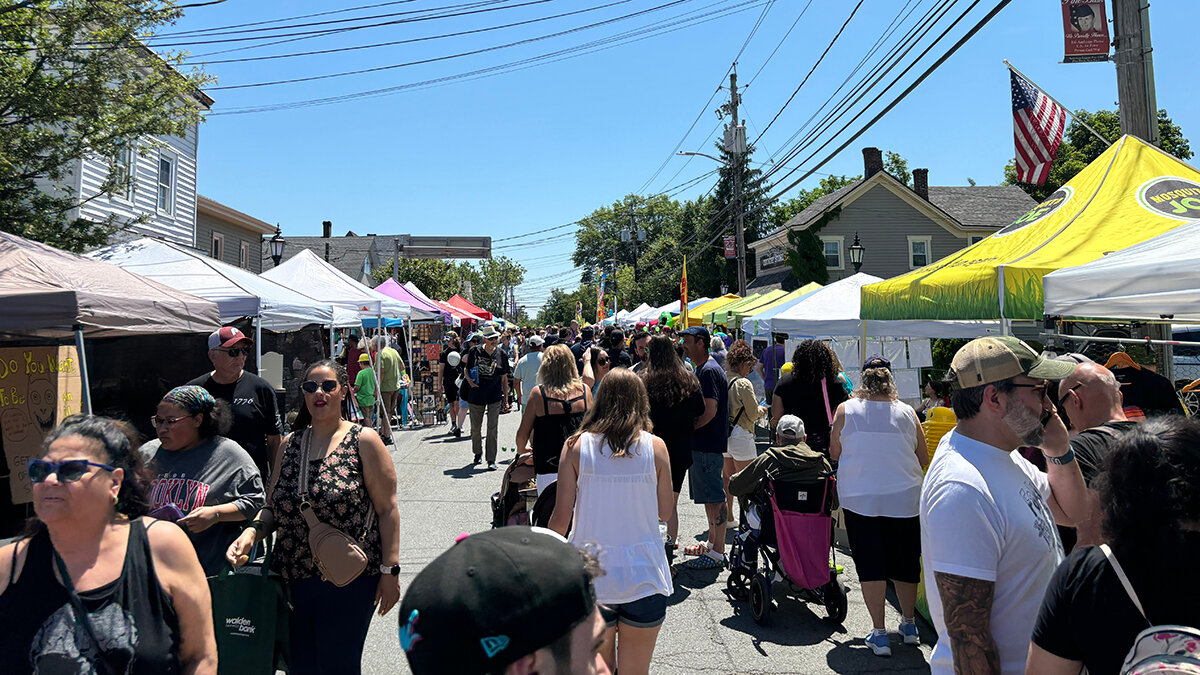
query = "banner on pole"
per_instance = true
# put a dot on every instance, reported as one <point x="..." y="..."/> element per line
<point x="683" y="297"/>
<point x="730" y="247"/>
<point x="39" y="386"/>
<point x="1085" y="31"/>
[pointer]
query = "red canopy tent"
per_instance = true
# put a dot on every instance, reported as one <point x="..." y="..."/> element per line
<point x="462" y="303"/>
<point x="458" y="314"/>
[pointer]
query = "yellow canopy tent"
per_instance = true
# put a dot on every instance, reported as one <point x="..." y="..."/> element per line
<point x="718" y="315"/>
<point x="728" y="315"/>
<point x="1130" y="193"/>
<point x="696" y="314"/>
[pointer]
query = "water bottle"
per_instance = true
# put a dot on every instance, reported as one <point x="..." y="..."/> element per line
<point x="662" y="532"/>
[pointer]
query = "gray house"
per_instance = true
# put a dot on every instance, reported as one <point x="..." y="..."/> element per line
<point x="355" y="256"/>
<point x="900" y="228"/>
<point x="229" y="235"/>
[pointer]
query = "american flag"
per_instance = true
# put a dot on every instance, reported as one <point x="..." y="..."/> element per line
<point x="1038" y="124"/>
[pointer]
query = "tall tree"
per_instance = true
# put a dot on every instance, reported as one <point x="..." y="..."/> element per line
<point x="896" y="165"/>
<point x="76" y="81"/>
<point x="1080" y="148"/>
<point x="806" y="253"/>
<point x="755" y="206"/>
<point x="436" y="278"/>
<point x="496" y="277"/>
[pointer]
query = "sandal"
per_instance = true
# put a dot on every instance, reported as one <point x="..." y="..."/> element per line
<point x="696" y="549"/>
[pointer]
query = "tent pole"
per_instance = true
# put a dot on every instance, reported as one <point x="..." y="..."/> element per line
<point x="1005" y="328"/>
<point x="332" y="342"/>
<point x="85" y="385"/>
<point x="258" y="344"/>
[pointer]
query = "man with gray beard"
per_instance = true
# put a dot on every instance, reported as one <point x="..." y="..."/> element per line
<point x="987" y="514"/>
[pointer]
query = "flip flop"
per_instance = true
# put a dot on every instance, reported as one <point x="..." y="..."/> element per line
<point x="696" y="549"/>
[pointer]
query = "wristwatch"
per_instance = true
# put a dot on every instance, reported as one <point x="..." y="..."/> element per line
<point x="393" y="570"/>
<point x="1062" y="459"/>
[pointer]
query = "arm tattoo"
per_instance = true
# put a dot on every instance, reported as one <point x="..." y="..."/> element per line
<point x="967" y="611"/>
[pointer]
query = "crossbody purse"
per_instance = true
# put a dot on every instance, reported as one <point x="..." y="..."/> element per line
<point x="339" y="557"/>
<point x="738" y="417"/>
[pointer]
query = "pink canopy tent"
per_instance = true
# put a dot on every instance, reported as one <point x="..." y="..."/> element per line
<point x="394" y="290"/>
<point x="462" y="303"/>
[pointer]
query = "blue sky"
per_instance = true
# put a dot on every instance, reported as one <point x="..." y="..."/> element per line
<point x="545" y="145"/>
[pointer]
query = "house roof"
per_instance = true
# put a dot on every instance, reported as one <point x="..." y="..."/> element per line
<point x="781" y="279"/>
<point x="970" y="207"/>
<point x="229" y="215"/>
<point x="345" y="253"/>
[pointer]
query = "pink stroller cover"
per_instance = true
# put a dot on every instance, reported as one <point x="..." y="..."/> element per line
<point x="804" y="541"/>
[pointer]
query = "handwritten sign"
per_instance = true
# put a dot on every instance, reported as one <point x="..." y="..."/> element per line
<point x="39" y="386"/>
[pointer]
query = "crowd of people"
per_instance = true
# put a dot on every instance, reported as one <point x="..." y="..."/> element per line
<point x="1052" y="532"/>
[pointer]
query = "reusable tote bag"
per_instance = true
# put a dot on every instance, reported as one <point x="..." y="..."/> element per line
<point x="250" y="613"/>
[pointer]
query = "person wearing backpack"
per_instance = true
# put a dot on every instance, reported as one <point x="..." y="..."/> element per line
<point x="744" y="411"/>
<point x="1125" y="607"/>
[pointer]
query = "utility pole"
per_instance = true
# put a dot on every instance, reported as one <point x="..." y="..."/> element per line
<point x="738" y="148"/>
<point x="1135" y="69"/>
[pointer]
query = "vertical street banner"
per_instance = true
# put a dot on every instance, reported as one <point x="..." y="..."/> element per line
<point x="683" y="297"/>
<point x="1085" y="31"/>
<point x="39" y="387"/>
<point x="730" y="247"/>
<point x="579" y="312"/>
<point x="600" y="296"/>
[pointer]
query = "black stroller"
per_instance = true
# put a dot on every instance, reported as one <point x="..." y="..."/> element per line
<point x="793" y="544"/>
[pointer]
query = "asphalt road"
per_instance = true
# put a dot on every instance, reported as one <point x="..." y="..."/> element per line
<point x="441" y="495"/>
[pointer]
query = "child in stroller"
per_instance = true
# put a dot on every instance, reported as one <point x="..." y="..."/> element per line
<point x="789" y="494"/>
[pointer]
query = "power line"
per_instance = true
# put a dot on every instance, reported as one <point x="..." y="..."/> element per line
<point x="781" y="41"/>
<point x="290" y="18"/>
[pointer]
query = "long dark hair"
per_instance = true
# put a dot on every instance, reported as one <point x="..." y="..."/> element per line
<point x="668" y="381"/>
<point x="1150" y="486"/>
<point x="812" y="361"/>
<point x="620" y="413"/>
<point x="303" y="416"/>
<point x="117" y="442"/>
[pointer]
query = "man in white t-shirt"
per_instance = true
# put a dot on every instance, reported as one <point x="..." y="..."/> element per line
<point x="988" y="539"/>
<point x="525" y="374"/>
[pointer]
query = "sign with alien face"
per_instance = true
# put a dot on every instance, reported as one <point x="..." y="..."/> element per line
<point x="39" y="387"/>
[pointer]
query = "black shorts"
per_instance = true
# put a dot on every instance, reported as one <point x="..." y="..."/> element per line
<point x="681" y="461"/>
<point x="885" y="548"/>
<point x="451" y="390"/>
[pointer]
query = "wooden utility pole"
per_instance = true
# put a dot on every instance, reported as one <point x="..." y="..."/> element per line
<point x="1135" y="69"/>
<point x="738" y="152"/>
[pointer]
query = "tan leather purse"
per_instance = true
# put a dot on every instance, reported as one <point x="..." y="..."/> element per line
<point x="339" y="557"/>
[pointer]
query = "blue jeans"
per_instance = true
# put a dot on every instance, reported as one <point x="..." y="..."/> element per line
<point x="329" y="624"/>
<point x="403" y="406"/>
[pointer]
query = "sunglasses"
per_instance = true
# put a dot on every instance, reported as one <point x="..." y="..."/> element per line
<point x="165" y="422"/>
<point x="1039" y="389"/>
<point x="602" y="362"/>
<point x="236" y="352"/>
<point x="1062" y="401"/>
<point x="327" y="386"/>
<point x="68" y="471"/>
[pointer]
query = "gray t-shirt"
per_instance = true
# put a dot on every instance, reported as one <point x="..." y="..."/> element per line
<point x="218" y="471"/>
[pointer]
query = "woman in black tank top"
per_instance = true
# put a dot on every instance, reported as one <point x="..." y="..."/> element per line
<point x="92" y="590"/>
<point x="556" y="407"/>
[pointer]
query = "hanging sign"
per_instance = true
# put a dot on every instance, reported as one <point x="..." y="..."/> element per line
<point x="39" y="387"/>
<point x="1085" y="31"/>
<point x="730" y="246"/>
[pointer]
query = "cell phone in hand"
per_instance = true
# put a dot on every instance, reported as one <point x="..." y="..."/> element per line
<point x="1047" y="415"/>
<point x="167" y="512"/>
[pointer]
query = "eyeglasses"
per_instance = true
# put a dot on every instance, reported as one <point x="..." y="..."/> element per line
<point x="327" y="386"/>
<point x="165" y="422"/>
<point x="1063" y="399"/>
<point x="68" y="471"/>
<point x="236" y="352"/>
<point x="1039" y="389"/>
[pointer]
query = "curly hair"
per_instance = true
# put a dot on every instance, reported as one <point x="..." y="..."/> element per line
<point x="739" y="355"/>
<point x="812" y="361"/>
<point x="115" y="444"/>
<point x="1150" y="485"/>
<point x="668" y="381"/>
<point x="303" y="416"/>
<point x="877" y="382"/>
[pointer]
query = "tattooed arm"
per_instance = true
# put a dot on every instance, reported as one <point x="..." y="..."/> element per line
<point x="967" y="612"/>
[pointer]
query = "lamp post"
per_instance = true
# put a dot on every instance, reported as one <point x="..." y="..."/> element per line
<point x="737" y="200"/>
<point x="277" y="243"/>
<point x="856" y="253"/>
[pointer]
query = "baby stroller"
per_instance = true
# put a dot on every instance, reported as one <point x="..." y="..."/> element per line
<point x="793" y="540"/>
<point x="513" y="503"/>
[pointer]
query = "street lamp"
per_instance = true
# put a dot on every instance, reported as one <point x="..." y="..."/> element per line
<point x="856" y="253"/>
<point x="737" y="200"/>
<point x="277" y="243"/>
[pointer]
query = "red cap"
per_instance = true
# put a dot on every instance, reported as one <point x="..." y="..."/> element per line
<point x="226" y="337"/>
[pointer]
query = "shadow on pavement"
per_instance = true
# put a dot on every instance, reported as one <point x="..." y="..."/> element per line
<point x="792" y="622"/>
<point x="465" y="472"/>
<point x="853" y="656"/>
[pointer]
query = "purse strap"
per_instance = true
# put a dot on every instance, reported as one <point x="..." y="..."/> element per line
<point x="1112" y="560"/>
<point x="306" y="510"/>
<point x="81" y="613"/>
<point x="825" y="393"/>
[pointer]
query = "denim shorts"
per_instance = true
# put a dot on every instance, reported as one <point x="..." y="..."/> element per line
<point x="647" y="612"/>
<point x="704" y="478"/>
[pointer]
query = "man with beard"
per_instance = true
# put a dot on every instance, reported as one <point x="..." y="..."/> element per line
<point x="987" y="514"/>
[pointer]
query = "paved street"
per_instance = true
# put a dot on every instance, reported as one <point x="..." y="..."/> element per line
<point x="441" y="495"/>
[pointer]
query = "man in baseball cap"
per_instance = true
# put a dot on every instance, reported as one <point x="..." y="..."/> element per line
<point x="256" y="423"/>
<point x="515" y="600"/>
<point x="987" y="514"/>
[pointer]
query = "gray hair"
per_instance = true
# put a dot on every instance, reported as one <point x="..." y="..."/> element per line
<point x="877" y="382"/>
<point x="716" y="344"/>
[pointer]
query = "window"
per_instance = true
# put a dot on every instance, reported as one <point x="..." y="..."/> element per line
<point x="366" y="266"/>
<point x="832" y="246"/>
<point x="218" y="245"/>
<point x="123" y="171"/>
<point x="244" y="255"/>
<point x="166" y="184"/>
<point x="919" y="251"/>
<point x="975" y="239"/>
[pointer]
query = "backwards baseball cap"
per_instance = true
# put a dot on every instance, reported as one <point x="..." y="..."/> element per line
<point x="790" y="427"/>
<point x="876" y="361"/>
<point x="493" y="598"/>
<point x="587" y="332"/>
<point x="700" y="332"/>
<point x="992" y="359"/>
<point x="226" y="337"/>
<point x="534" y="341"/>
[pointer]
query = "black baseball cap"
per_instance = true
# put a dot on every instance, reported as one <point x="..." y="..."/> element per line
<point x="492" y="598"/>
<point x="699" y="332"/>
<point x="876" y="361"/>
<point x="587" y="332"/>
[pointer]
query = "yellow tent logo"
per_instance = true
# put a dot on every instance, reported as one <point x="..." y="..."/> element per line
<point x="1171" y="196"/>
<point x="1053" y="203"/>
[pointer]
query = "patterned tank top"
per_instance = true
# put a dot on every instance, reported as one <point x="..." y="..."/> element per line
<point x="338" y="495"/>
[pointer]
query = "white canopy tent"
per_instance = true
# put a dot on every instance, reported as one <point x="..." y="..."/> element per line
<point x="318" y="279"/>
<point x="642" y="312"/>
<point x="673" y="307"/>
<point x="1154" y="280"/>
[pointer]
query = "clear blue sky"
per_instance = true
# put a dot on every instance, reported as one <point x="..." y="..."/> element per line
<point x="545" y="145"/>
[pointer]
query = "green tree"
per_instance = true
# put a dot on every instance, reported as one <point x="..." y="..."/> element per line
<point x="559" y="307"/>
<point x="436" y="278"/>
<point x="61" y="101"/>
<point x="497" y="276"/>
<point x="1080" y="147"/>
<point x="806" y="253"/>
<point x="756" y="206"/>
<point x="896" y="165"/>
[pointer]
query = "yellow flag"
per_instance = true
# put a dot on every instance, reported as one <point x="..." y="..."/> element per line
<point x="683" y="296"/>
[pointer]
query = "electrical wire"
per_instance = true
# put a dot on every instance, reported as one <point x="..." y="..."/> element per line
<point x="781" y="41"/>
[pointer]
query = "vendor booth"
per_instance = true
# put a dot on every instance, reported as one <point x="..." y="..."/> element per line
<point x="710" y="317"/>
<point x="751" y="322"/>
<point x="696" y="314"/>
<point x="462" y="303"/>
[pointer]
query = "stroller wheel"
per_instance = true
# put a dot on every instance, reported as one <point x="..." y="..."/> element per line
<point x="760" y="599"/>
<point x="835" y="600"/>
<point x="738" y="583"/>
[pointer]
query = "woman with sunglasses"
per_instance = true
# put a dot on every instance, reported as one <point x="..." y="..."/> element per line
<point x="351" y="486"/>
<point x="96" y="586"/>
<point x="595" y="367"/>
<point x="202" y="480"/>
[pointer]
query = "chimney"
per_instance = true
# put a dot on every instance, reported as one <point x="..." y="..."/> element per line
<point x="872" y="162"/>
<point x="326" y="228"/>
<point x="921" y="183"/>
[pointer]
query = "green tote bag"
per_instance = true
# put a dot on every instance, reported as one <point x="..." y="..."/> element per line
<point x="250" y="613"/>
